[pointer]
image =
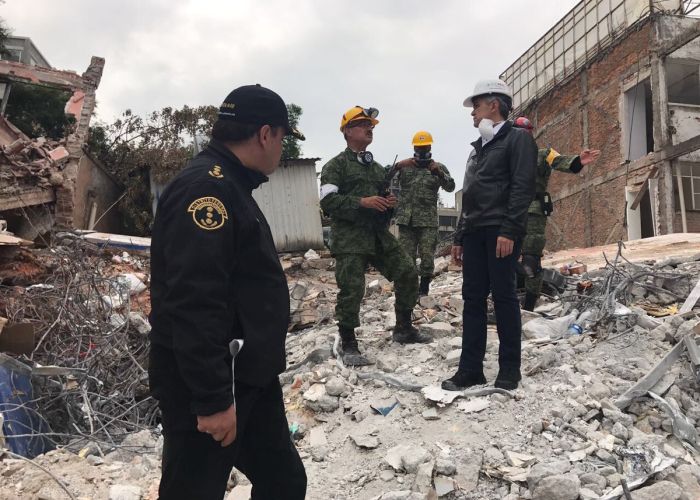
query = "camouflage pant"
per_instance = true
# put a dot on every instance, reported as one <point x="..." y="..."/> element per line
<point x="534" y="245"/>
<point x="423" y="239"/>
<point x="391" y="261"/>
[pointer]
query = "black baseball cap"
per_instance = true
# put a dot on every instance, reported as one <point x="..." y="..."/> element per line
<point x="257" y="105"/>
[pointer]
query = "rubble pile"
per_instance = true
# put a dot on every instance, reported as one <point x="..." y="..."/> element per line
<point x="90" y="383"/>
<point x="389" y="432"/>
<point x="608" y="400"/>
<point x="35" y="162"/>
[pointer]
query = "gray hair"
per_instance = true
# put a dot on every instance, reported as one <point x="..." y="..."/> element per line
<point x="504" y="104"/>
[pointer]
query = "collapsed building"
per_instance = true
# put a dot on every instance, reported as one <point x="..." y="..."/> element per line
<point x="46" y="183"/>
<point x="621" y="76"/>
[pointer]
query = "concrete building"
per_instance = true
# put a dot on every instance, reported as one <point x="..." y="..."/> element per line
<point x="21" y="49"/>
<point x="621" y="76"/>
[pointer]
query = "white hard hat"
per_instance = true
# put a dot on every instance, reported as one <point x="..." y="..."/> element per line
<point x="488" y="87"/>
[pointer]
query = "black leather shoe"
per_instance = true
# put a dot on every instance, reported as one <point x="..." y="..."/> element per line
<point x="462" y="380"/>
<point x="508" y="378"/>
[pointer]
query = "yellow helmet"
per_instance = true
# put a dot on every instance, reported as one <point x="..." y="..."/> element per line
<point x="359" y="113"/>
<point x="422" y="138"/>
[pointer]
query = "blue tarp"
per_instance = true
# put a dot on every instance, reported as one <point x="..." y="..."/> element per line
<point x="22" y="425"/>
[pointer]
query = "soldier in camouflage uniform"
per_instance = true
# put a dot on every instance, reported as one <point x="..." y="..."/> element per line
<point x="541" y="208"/>
<point x="352" y="186"/>
<point x="420" y="179"/>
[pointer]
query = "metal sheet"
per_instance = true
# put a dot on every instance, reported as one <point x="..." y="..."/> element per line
<point x="291" y="206"/>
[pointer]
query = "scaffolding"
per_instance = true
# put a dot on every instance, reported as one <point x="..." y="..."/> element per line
<point x="691" y="8"/>
<point x="587" y="29"/>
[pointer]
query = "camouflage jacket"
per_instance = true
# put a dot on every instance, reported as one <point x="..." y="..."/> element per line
<point x="547" y="161"/>
<point x="344" y="180"/>
<point x="419" y="195"/>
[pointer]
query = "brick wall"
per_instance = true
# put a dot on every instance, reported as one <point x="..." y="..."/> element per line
<point x="66" y="194"/>
<point x="692" y="218"/>
<point x="586" y="112"/>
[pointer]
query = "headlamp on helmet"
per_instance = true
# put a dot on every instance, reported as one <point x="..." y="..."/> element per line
<point x="359" y="113"/>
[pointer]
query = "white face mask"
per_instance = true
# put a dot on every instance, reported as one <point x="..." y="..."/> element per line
<point x="486" y="129"/>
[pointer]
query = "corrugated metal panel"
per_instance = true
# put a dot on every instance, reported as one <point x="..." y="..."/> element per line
<point x="290" y="204"/>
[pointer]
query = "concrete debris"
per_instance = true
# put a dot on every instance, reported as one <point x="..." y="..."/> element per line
<point x="663" y="489"/>
<point x="560" y="487"/>
<point x="124" y="492"/>
<point x="444" y="486"/>
<point x="406" y="458"/>
<point x="423" y="482"/>
<point x="474" y="405"/>
<point x="581" y="421"/>
<point x="311" y="255"/>
<point x="431" y="414"/>
<point x="365" y="441"/>
<point x="318" y="444"/>
<point x="520" y="459"/>
<point x="445" y="467"/>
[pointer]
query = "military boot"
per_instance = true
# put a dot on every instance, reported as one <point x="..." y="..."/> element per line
<point x="424" y="286"/>
<point x="406" y="333"/>
<point x="530" y="301"/>
<point x="350" y="352"/>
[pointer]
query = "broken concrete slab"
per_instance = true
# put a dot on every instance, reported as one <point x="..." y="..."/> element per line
<point x="406" y="458"/>
<point x="335" y="386"/>
<point x="516" y="459"/>
<point x="545" y="469"/>
<point x="559" y="487"/>
<point x="445" y="467"/>
<point x="125" y="492"/>
<point x="431" y="414"/>
<point x="365" y="441"/>
<point x="438" y="329"/>
<point x="452" y="358"/>
<point x="474" y="405"/>
<point x="423" y="481"/>
<point x="318" y="442"/>
<point x="444" y="486"/>
<point x="663" y="489"/>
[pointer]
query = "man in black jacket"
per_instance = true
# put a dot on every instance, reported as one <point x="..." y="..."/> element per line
<point x="217" y="287"/>
<point x="499" y="184"/>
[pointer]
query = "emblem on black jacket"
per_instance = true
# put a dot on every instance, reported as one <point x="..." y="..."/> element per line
<point x="208" y="213"/>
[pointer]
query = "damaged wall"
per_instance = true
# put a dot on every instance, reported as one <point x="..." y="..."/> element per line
<point x="585" y="112"/>
<point x="618" y="104"/>
<point x="96" y="191"/>
<point x="63" y="176"/>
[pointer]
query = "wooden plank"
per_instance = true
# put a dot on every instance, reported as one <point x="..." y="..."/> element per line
<point x="28" y="198"/>
<point x="119" y="241"/>
<point x="691" y="300"/>
<point x="649" y="380"/>
<point x="645" y="185"/>
<point x="9" y="240"/>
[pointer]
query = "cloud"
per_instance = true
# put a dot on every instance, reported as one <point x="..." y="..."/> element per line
<point x="415" y="61"/>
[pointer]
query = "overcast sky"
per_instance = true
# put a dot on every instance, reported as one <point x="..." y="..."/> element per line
<point x="413" y="60"/>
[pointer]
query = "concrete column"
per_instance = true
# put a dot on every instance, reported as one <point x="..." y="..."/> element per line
<point x="662" y="138"/>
